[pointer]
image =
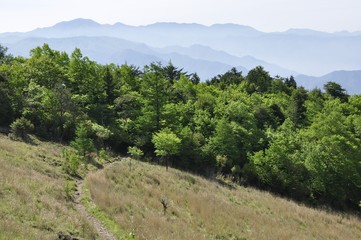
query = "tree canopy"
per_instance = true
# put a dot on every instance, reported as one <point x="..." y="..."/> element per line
<point x="261" y="130"/>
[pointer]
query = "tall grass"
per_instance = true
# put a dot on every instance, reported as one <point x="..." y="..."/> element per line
<point x="33" y="202"/>
<point x="200" y="209"/>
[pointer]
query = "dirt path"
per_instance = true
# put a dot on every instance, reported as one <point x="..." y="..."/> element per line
<point x="103" y="232"/>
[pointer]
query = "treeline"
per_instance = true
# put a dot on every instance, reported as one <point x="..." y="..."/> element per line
<point x="255" y="129"/>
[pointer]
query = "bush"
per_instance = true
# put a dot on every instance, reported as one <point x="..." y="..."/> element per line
<point x="71" y="162"/>
<point x="21" y="127"/>
<point x="83" y="143"/>
<point x="103" y="155"/>
<point x="135" y="152"/>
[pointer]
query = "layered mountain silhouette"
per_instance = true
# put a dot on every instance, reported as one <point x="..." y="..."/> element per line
<point x="349" y="80"/>
<point x="207" y="50"/>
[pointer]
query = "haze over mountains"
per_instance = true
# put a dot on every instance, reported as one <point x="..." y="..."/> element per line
<point x="207" y="50"/>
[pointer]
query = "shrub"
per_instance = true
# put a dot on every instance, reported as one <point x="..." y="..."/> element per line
<point x="71" y="162"/>
<point x="21" y="127"/>
<point x="83" y="143"/>
<point x="135" y="152"/>
<point x="103" y="155"/>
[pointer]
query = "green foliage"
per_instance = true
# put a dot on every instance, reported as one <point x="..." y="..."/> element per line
<point x="83" y="142"/>
<point x="103" y="155"/>
<point x="260" y="78"/>
<point x="297" y="109"/>
<point x="236" y="171"/>
<point x="4" y="56"/>
<point x="3" y="51"/>
<point x="291" y="82"/>
<point x="271" y="133"/>
<point x="166" y="143"/>
<point x="100" y="133"/>
<point x="155" y="89"/>
<point x="223" y="145"/>
<point x="223" y="80"/>
<point x="69" y="189"/>
<point x="71" y="162"/>
<point x="6" y="111"/>
<point x="281" y="166"/>
<point x="336" y="91"/>
<point x="21" y="127"/>
<point x="332" y="156"/>
<point x="135" y="152"/>
<point x="172" y="73"/>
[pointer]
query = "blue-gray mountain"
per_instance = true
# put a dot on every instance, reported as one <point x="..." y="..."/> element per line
<point x="197" y="48"/>
<point x="349" y="80"/>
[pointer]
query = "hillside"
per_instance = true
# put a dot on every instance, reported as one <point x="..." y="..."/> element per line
<point x="202" y="209"/>
<point x="34" y="202"/>
<point x="265" y="130"/>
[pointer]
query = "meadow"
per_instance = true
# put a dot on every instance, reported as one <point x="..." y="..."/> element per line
<point x="36" y="194"/>
<point x="203" y="209"/>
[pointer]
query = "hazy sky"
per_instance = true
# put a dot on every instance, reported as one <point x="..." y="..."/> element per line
<point x="265" y="15"/>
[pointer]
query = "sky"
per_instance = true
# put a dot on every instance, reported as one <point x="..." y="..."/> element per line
<point x="264" y="15"/>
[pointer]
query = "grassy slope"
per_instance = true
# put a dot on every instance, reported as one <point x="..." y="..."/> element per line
<point x="205" y="210"/>
<point x="33" y="202"/>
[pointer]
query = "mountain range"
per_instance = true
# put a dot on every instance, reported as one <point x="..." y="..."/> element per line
<point x="207" y="50"/>
<point x="349" y="80"/>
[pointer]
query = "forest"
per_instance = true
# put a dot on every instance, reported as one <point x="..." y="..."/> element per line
<point x="255" y="129"/>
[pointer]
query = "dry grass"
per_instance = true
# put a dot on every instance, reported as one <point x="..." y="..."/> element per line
<point x="33" y="202"/>
<point x="206" y="210"/>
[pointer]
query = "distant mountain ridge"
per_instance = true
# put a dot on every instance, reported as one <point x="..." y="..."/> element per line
<point x="207" y="50"/>
<point x="349" y="80"/>
<point x="114" y="50"/>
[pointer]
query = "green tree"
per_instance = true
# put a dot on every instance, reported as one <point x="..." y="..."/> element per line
<point x="278" y="86"/>
<point x="109" y="85"/>
<point x="127" y="78"/>
<point x="280" y="166"/>
<point x="46" y="66"/>
<point x="63" y="113"/>
<point x="21" y="127"/>
<point x="184" y="90"/>
<point x="14" y="80"/>
<point x="36" y="99"/>
<point x="314" y="104"/>
<point x="71" y="162"/>
<point x="87" y="85"/>
<point x="166" y="144"/>
<point x="336" y="91"/>
<point x="155" y="89"/>
<point x="297" y="109"/>
<point x="332" y="155"/>
<point x="83" y="142"/>
<point x="101" y="134"/>
<point x="291" y="82"/>
<point x="233" y="76"/>
<point x="172" y="73"/>
<point x="260" y="78"/>
<point x="224" y="145"/>
<point x="4" y="56"/>
<point x="3" y="51"/>
<point x="6" y="111"/>
<point x="135" y="153"/>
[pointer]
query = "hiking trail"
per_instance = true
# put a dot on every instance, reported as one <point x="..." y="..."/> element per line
<point x="102" y="231"/>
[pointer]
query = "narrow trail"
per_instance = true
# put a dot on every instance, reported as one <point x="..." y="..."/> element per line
<point x="102" y="231"/>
